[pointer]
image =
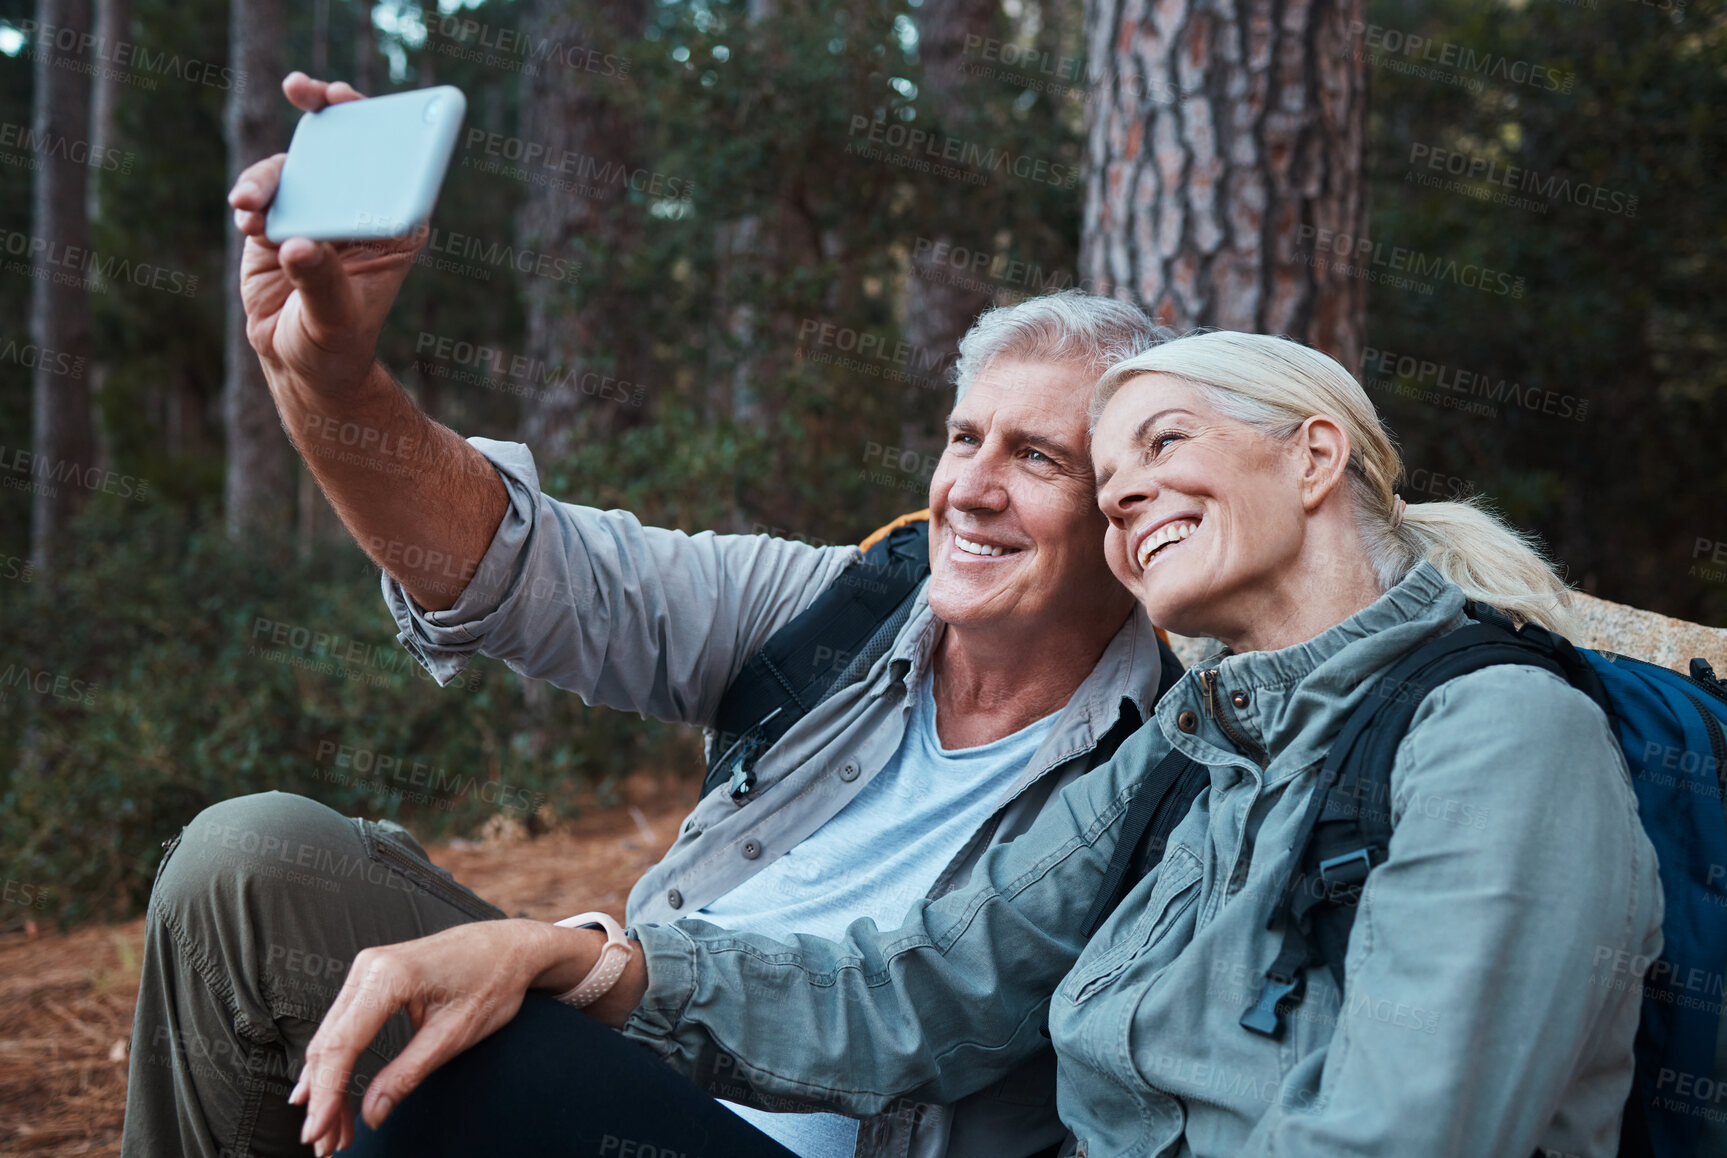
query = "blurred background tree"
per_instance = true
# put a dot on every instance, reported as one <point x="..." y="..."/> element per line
<point x="779" y="219"/>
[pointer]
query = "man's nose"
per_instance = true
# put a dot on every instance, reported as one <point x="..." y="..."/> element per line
<point x="979" y="482"/>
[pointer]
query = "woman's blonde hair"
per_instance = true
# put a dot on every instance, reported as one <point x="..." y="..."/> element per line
<point x="1275" y="384"/>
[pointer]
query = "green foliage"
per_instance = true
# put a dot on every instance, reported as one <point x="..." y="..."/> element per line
<point x="168" y="670"/>
<point x="1620" y="240"/>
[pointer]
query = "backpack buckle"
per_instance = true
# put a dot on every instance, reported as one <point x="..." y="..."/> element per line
<point x="1343" y="875"/>
<point x="1262" y="1017"/>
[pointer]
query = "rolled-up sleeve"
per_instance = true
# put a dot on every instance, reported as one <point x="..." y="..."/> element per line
<point x="637" y="618"/>
<point x="1476" y="1001"/>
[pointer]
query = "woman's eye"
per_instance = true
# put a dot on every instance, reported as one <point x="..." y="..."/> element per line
<point x="1161" y="442"/>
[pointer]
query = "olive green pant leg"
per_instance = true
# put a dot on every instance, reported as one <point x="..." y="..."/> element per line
<point x="258" y="910"/>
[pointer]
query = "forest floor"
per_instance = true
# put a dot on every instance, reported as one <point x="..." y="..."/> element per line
<point x="66" y="998"/>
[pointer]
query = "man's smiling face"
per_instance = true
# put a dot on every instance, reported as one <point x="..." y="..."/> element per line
<point x="1016" y="539"/>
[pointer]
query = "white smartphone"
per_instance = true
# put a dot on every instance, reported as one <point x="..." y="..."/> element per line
<point x="368" y="168"/>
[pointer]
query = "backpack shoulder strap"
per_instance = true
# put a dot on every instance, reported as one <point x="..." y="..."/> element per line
<point x="802" y="663"/>
<point x="1346" y="831"/>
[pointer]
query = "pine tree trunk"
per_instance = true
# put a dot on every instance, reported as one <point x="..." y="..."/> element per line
<point x="580" y="329"/>
<point x="365" y="48"/>
<point x="1218" y="130"/>
<point x="259" y="489"/>
<point x="59" y="313"/>
<point x="938" y="312"/>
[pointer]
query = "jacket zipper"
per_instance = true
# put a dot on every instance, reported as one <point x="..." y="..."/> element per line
<point x="1717" y="745"/>
<point x="1213" y="709"/>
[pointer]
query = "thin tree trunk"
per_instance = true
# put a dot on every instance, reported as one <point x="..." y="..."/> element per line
<point x="580" y="330"/>
<point x="309" y="498"/>
<point x="59" y="304"/>
<point x="938" y="312"/>
<point x="1225" y="135"/>
<point x="259" y="489"/>
<point x="365" y="48"/>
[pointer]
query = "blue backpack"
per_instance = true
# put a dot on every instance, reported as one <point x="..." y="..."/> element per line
<point x="1673" y="729"/>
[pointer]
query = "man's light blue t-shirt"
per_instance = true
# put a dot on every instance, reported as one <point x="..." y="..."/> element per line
<point x="874" y="858"/>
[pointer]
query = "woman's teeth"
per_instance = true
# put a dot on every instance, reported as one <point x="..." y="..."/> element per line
<point x="1165" y="535"/>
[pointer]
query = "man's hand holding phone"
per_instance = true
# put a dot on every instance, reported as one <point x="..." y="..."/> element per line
<point x="314" y="309"/>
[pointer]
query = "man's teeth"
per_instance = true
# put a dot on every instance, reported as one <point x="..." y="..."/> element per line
<point x="1164" y="536"/>
<point x="972" y="548"/>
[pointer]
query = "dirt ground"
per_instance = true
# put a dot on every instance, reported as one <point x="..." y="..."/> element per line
<point x="66" y="998"/>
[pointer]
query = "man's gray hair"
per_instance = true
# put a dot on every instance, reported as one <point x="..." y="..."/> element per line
<point x="1070" y="326"/>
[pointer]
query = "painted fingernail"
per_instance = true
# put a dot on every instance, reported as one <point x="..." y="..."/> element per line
<point x="299" y="1090"/>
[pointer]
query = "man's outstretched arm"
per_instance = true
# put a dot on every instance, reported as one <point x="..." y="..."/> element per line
<point x="419" y="500"/>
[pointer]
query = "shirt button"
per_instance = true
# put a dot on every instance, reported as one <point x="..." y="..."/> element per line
<point x="675" y="899"/>
<point x="1239" y="699"/>
<point x="752" y="849"/>
<point x="849" y="771"/>
<point x="1187" y="722"/>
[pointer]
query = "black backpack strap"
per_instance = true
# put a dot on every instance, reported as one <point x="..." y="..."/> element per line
<point x="1161" y="800"/>
<point x="802" y="663"/>
<point x="1346" y="831"/>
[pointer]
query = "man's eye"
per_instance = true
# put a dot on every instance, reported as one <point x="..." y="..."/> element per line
<point x="1038" y="456"/>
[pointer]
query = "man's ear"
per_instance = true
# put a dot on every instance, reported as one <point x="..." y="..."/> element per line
<point x="1323" y="452"/>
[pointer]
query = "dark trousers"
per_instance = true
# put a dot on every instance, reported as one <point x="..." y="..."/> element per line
<point x="258" y="910"/>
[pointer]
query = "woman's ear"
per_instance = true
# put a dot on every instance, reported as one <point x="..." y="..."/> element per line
<point x="1323" y="448"/>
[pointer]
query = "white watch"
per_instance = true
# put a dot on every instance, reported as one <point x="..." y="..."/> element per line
<point x="614" y="955"/>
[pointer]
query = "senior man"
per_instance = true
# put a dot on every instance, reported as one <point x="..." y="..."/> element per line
<point x="1019" y="664"/>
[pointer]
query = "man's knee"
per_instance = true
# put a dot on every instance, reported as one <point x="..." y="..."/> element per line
<point x="267" y="841"/>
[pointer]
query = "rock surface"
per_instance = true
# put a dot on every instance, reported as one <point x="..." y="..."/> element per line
<point x="1601" y="624"/>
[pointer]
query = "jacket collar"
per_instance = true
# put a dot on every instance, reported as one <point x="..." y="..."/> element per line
<point x="1128" y="670"/>
<point x="1298" y="696"/>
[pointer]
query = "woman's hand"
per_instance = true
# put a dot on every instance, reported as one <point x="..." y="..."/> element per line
<point x="458" y="986"/>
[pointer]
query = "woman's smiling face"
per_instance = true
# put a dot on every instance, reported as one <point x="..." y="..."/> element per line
<point x="1206" y="514"/>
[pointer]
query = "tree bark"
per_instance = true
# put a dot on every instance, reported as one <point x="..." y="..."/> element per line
<point x="59" y="303"/>
<point x="365" y="48"/>
<point x="259" y="491"/>
<point x="937" y="312"/>
<point x="577" y="328"/>
<point x="1218" y="130"/>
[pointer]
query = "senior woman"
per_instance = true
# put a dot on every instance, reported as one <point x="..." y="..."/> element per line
<point x="1248" y="486"/>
